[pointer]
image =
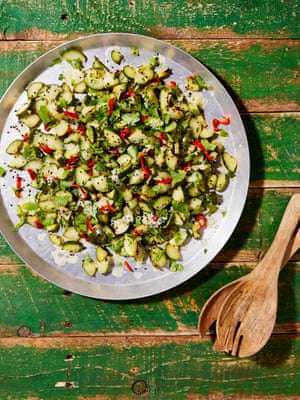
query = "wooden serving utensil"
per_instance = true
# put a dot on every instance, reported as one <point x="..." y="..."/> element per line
<point x="247" y="317"/>
<point x="211" y="308"/>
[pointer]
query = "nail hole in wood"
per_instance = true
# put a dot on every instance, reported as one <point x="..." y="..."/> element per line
<point x="69" y="357"/>
<point x="24" y="331"/>
<point x="139" y="387"/>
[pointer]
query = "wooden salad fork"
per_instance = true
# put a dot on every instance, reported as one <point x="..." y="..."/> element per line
<point x="211" y="308"/>
<point x="245" y="309"/>
<point x="247" y="317"/>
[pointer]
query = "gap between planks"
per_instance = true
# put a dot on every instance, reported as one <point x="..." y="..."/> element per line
<point x="119" y="339"/>
<point x="160" y="32"/>
<point x="189" y="45"/>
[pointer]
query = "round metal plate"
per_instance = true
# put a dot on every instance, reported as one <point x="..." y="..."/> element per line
<point x="33" y="246"/>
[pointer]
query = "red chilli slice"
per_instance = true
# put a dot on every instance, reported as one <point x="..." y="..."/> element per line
<point x="216" y="122"/>
<point x="70" y="114"/>
<point x="128" y="266"/>
<point x="202" y="220"/>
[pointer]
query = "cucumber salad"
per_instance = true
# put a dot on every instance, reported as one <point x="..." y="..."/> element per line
<point x="121" y="159"/>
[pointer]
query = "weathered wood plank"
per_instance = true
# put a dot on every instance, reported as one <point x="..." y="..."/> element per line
<point x="54" y="312"/>
<point x="261" y="75"/>
<point x="45" y="310"/>
<point x="274" y="144"/>
<point x="168" y="19"/>
<point x="145" y="367"/>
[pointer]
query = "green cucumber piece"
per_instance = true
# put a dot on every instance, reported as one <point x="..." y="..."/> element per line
<point x="162" y="202"/>
<point x="15" y="146"/>
<point x="117" y="56"/>
<point x="158" y="257"/>
<point x="72" y="247"/>
<point x="230" y="161"/>
<point x="74" y="54"/>
<point x="33" y="89"/>
<point x="89" y="267"/>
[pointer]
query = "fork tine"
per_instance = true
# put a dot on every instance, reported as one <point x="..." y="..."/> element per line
<point x="229" y="337"/>
<point x="232" y="340"/>
<point x="223" y="346"/>
<point x="237" y="344"/>
<point x="218" y="346"/>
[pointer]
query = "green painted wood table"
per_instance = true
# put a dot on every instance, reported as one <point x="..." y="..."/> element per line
<point x="59" y="345"/>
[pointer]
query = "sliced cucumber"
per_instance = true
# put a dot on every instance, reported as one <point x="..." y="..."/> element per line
<point x="136" y="177"/>
<point x="23" y="109"/>
<point x="71" y="233"/>
<point x="31" y="120"/>
<point x="222" y="181"/>
<point x="113" y="139"/>
<point x="124" y="161"/>
<point x="90" y="267"/>
<point x="98" y="64"/>
<point x="129" y="71"/>
<point x="82" y="177"/>
<point x="71" y="150"/>
<point x="33" y="89"/>
<point x="117" y="56"/>
<point x="173" y="252"/>
<point x="17" y="161"/>
<point x="143" y="74"/>
<point x="130" y="245"/>
<point x="172" y="161"/>
<point x="61" y="128"/>
<point x="72" y="247"/>
<point x="158" y="257"/>
<point x="230" y="161"/>
<point x="56" y="240"/>
<point x="197" y="125"/>
<point x="74" y="54"/>
<point x="34" y="165"/>
<point x="100" y="183"/>
<point x="195" y="205"/>
<point x="162" y="202"/>
<point x="178" y="194"/>
<point x="104" y="266"/>
<point x="94" y="79"/>
<point x="15" y="147"/>
<point x="101" y="253"/>
<point x="110" y="79"/>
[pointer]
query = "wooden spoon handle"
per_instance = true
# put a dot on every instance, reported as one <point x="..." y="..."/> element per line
<point x="277" y="253"/>
<point x="293" y="247"/>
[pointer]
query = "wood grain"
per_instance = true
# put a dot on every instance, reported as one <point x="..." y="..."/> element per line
<point x="57" y="313"/>
<point x="153" y="368"/>
<point x="260" y="75"/>
<point x="170" y="19"/>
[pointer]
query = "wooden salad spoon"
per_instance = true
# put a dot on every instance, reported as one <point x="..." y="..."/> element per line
<point x="247" y="317"/>
<point x="211" y="308"/>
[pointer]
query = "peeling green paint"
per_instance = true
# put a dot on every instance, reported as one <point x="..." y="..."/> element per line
<point x="257" y="72"/>
<point x="252" y="74"/>
<point x="274" y="142"/>
<point x="166" y="371"/>
<point x="52" y="310"/>
<point x="87" y="16"/>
